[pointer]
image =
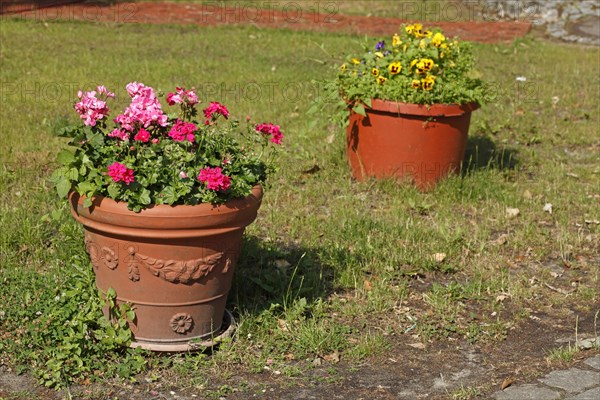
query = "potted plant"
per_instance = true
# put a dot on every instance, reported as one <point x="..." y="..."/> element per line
<point x="164" y="199"/>
<point x="409" y="101"/>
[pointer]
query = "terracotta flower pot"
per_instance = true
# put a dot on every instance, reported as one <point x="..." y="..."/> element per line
<point x="408" y="141"/>
<point x="173" y="264"/>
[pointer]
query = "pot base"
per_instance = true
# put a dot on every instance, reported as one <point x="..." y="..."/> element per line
<point x="199" y="343"/>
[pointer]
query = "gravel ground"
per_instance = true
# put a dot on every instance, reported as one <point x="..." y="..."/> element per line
<point x="568" y="20"/>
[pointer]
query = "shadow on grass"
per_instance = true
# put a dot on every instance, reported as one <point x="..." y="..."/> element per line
<point x="482" y="153"/>
<point x="268" y="273"/>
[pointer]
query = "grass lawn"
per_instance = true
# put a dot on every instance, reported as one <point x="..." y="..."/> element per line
<point x="331" y="267"/>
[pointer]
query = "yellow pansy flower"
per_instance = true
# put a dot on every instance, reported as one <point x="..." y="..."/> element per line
<point x="343" y="67"/>
<point x="355" y="61"/>
<point x="381" y="80"/>
<point x="396" y="41"/>
<point x="428" y="82"/>
<point x="427" y="64"/>
<point x="395" y="68"/>
<point x="409" y="29"/>
<point x="405" y="47"/>
<point x="416" y="84"/>
<point x="446" y="49"/>
<point x="413" y="62"/>
<point x="418" y="30"/>
<point x="422" y="44"/>
<point x="379" y="54"/>
<point x="438" y="39"/>
<point x="424" y="65"/>
<point x="375" y="72"/>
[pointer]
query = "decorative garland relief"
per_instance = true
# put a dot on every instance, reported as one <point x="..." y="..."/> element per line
<point x="176" y="271"/>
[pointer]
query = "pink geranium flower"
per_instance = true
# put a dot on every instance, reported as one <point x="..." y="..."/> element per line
<point x="134" y="88"/>
<point x="120" y="173"/>
<point x="142" y="135"/>
<point x="181" y="131"/>
<point x="214" y="178"/>
<point x="215" y="108"/>
<point x="90" y="108"/>
<point x="119" y="133"/>
<point x="192" y="98"/>
<point x="103" y="90"/>
<point x="144" y="110"/>
<point x="181" y="95"/>
<point x="174" y="98"/>
<point x="271" y="130"/>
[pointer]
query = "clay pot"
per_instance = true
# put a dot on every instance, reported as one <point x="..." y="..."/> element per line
<point x="173" y="264"/>
<point x="411" y="142"/>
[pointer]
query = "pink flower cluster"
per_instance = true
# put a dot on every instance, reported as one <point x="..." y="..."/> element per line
<point x="181" y="96"/>
<point x="142" y="135"/>
<point x="120" y="173"/>
<point x="215" y="108"/>
<point x="144" y="109"/>
<point x="270" y="129"/>
<point x="214" y="178"/>
<point x="90" y="108"/>
<point x="181" y="131"/>
<point x="119" y="133"/>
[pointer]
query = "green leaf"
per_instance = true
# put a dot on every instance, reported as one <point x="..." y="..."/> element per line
<point x="368" y="102"/>
<point x="360" y="109"/>
<point x="72" y="174"/>
<point x="145" y="197"/>
<point x="57" y="175"/>
<point x="86" y="187"/>
<point x="87" y="202"/>
<point x="113" y="191"/>
<point x="65" y="157"/>
<point x="170" y="195"/>
<point x="62" y="187"/>
<point x="56" y="214"/>
<point x="95" y="139"/>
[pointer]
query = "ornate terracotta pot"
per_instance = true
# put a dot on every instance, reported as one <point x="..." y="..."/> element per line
<point x="173" y="264"/>
<point x="411" y="142"/>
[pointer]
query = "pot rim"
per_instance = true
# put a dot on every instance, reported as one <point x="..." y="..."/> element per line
<point x="163" y="220"/>
<point x="160" y="210"/>
<point x="427" y="110"/>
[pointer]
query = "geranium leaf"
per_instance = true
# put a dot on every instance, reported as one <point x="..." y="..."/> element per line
<point x="113" y="191"/>
<point x="65" y="157"/>
<point x="86" y="187"/>
<point x="145" y="197"/>
<point x="62" y="187"/>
